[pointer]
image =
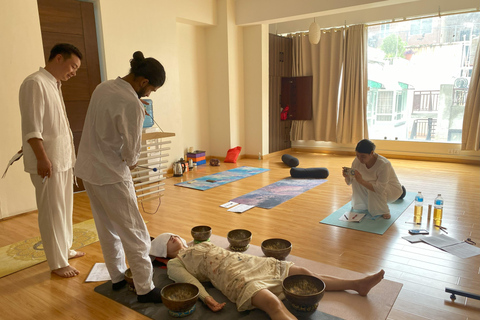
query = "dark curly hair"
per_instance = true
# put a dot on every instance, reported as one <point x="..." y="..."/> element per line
<point x="149" y="68"/>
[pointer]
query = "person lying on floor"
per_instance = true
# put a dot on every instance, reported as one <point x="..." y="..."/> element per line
<point x="246" y="280"/>
<point x="375" y="183"/>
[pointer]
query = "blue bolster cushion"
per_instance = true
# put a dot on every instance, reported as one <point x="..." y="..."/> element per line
<point x="289" y="160"/>
<point x="313" y="173"/>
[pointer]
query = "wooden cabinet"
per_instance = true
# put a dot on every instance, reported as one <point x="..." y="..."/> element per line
<point x="297" y="95"/>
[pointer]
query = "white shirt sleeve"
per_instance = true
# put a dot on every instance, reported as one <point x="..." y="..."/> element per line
<point x="130" y="128"/>
<point x="178" y="273"/>
<point x="32" y="109"/>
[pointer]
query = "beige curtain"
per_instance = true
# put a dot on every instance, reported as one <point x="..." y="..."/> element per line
<point x="327" y="61"/>
<point x="302" y="66"/>
<point x="324" y="62"/>
<point x="352" y="112"/>
<point x="471" y="118"/>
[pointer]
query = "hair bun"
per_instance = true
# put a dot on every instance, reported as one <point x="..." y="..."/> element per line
<point x="138" y="56"/>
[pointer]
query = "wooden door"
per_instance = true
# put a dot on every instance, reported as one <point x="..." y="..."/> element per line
<point x="72" y="21"/>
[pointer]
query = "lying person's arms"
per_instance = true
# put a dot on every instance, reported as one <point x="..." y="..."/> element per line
<point x="177" y="272"/>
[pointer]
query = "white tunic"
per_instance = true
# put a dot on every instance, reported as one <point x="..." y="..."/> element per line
<point x="44" y="117"/>
<point x="384" y="180"/>
<point x="111" y="138"/>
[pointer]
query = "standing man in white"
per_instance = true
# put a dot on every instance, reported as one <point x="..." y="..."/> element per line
<point x="49" y="154"/>
<point x="109" y="149"/>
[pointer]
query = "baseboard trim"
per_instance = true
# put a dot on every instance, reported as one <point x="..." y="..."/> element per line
<point x="392" y="155"/>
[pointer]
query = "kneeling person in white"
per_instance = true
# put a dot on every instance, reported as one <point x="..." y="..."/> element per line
<point x="375" y="183"/>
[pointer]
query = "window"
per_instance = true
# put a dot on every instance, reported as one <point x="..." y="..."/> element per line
<point x="418" y="76"/>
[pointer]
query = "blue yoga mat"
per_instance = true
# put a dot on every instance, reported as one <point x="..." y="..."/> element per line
<point x="378" y="225"/>
<point x="221" y="178"/>
<point x="278" y="192"/>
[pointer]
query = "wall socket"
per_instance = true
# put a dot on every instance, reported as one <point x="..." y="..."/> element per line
<point x="453" y="151"/>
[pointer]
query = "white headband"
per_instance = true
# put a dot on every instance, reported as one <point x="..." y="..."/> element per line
<point x="159" y="245"/>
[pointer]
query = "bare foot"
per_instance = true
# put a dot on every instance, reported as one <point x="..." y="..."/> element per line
<point x="387" y="216"/>
<point x="367" y="283"/>
<point x="75" y="254"/>
<point x="66" y="272"/>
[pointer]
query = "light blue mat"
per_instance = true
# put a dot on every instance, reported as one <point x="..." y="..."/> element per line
<point x="379" y="225"/>
<point x="221" y="178"/>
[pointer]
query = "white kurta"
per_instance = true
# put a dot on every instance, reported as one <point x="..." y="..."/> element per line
<point x="237" y="275"/>
<point x="385" y="183"/>
<point x="44" y="117"/>
<point x="111" y="141"/>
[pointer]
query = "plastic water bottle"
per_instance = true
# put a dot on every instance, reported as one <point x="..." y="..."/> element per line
<point x="438" y="210"/>
<point x="418" y="208"/>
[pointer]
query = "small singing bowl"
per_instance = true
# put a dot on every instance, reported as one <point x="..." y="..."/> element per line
<point x="201" y="233"/>
<point x="129" y="278"/>
<point x="239" y="239"/>
<point x="303" y="291"/>
<point x="180" y="298"/>
<point x="276" y="248"/>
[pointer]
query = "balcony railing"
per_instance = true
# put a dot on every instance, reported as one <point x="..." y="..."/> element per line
<point x="426" y="100"/>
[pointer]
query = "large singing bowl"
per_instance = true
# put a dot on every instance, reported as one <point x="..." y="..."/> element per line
<point x="179" y="297"/>
<point x="303" y="291"/>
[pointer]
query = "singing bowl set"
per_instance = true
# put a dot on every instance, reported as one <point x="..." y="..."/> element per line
<point x="276" y="248"/>
<point x="180" y="298"/>
<point x="201" y="233"/>
<point x="303" y="291"/>
<point x="239" y="239"/>
<point x="129" y="278"/>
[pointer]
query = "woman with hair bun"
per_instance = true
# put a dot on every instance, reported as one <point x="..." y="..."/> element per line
<point x="374" y="183"/>
<point x="109" y="149"/>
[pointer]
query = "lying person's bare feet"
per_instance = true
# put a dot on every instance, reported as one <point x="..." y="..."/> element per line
<point x="386" y="216"/>
<point x="66" y="272"/>
<point x="75" y="254"/>
<point x="367" y="283"/>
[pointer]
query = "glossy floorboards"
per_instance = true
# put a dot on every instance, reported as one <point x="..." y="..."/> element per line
<point x="424" y="270"/>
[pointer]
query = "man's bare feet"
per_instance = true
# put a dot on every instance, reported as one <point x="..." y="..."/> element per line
<point x="386" y="216"/>
<point x="66" y="272"/>
<point x="75" y="254"/>
<point x="367" y="283"/>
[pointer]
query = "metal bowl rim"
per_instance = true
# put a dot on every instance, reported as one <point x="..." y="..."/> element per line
<point x="175" y="284"/>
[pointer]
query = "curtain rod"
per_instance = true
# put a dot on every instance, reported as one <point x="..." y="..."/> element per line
<point x="439" y="15"/>
<point x="388" y="22"/>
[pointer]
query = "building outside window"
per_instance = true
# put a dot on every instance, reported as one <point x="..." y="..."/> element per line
<point x="418" y="77"/>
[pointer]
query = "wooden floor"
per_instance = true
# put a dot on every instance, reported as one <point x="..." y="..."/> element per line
<point x="424" y="270"/>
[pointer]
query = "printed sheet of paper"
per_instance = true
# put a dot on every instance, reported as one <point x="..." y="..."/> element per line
<point x="229" y="204"/>
<point x="414" y="238"/>
<point x="440" y="241"/>
<point x="99" y="272"/>
<point x="350" y="216"/>
<point x="453" y="246"/>
<point x="463" y="250"/>
<point x="241" y="208"/>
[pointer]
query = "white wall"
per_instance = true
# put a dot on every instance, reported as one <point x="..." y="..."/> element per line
<point x="193" y="86"/>
<point x="255" y="45"/>
<point x="21" y="54"/>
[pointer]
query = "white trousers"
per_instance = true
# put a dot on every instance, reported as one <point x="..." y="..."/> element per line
<point x="55" y="208"/>
<point x="376" y="203"/>
<point x="122" y="233"/>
